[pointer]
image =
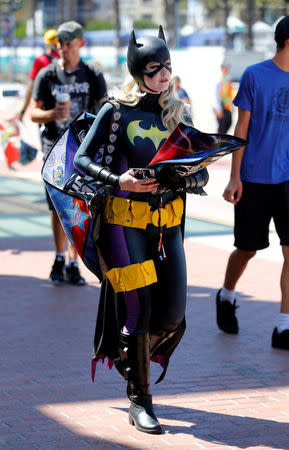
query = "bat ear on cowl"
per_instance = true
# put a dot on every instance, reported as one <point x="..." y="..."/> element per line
<point x="132" y="39"/>
<point x="161" y="33"/>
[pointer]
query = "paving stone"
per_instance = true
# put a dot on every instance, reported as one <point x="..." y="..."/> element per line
<point x="220" y="392"/>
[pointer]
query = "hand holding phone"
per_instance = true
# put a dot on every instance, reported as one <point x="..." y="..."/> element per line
<point x="143" y="174"/>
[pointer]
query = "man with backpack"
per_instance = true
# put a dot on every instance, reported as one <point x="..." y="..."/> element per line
<point x="85" y="87"/>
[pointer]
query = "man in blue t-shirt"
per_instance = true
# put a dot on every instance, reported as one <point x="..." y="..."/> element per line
<point x="259" y="183"/>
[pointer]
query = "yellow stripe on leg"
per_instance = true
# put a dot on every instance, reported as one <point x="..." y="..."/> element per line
<point x="131" y="277"/>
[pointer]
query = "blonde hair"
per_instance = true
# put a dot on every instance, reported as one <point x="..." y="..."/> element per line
<point x="173" y="109"/>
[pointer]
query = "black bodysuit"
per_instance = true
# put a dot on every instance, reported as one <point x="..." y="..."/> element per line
<point x="159" y="304"/>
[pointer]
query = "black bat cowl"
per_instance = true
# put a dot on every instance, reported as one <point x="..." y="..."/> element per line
<point x="144" y="50"/>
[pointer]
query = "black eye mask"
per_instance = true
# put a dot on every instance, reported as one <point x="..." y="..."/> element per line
<point x="144" y="51"/>
<point x="154" y="72"/>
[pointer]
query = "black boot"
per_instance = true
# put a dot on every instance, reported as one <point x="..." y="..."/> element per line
<point x="141" y="413"/>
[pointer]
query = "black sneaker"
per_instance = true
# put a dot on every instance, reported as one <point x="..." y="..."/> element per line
<point x="73" y="276"/>
<point x="280" y="340"/>
<point x="226" y="317"/>
<point x="57" y="272"/>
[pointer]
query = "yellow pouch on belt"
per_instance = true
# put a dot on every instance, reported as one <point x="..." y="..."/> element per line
<point x="140" y="214"/>
<point x="131" y="277"/>
<point x="117" y="211"/>
<point x="171" y="214"/>
<point x="128" y="213"/>
<point x="175" y="210"/>
<point x="156" y="216"/>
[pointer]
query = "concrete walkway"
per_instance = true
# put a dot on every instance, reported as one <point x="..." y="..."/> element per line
<point x="221" y="391"/>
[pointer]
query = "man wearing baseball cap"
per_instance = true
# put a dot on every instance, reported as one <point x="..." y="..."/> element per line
<point x="85" y="87"/>
<point x="69" y="31"/>
<point x="259" y="183"/>
<point x="50" y="42"/>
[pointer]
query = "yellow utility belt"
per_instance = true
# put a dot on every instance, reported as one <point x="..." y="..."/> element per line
<point x="135" y="214"/>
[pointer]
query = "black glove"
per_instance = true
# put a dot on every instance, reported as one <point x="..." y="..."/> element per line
<point x="99" y="173"/>
<point x="167" y="177"/>
<point x="196" y="180"/>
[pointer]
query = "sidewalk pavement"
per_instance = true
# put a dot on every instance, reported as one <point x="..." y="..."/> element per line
<point x="220" y="392"/>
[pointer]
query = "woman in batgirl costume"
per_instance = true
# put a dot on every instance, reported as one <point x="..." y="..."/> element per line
<point x="141" y="315"/>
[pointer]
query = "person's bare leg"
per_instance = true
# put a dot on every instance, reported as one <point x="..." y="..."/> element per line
<point x="72" y="253"/>
<point x="237" y="263"/>
<point x="284" y="282"/>
<point x="72" y="272"/>
<point x="280" y="336"/>
<point x="73" y="275"/>
<point x="59" y="235"/>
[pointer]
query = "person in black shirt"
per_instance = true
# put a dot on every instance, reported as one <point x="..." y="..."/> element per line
<point x="87" y="92"/>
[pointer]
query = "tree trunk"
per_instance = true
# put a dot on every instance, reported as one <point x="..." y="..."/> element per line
<point x="170" y="16"/>
<point x="226" y="15"/>
<point x="250" y="18"/>
<point x="117" y="29"/>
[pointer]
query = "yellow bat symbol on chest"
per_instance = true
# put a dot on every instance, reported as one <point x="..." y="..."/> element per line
<point x="154" y="134"/>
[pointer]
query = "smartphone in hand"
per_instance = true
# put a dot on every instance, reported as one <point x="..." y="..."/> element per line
<point x="143" y="174"/>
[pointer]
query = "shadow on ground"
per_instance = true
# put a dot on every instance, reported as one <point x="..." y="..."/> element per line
<point x="237" y="431"/>
<point x="46" y="336"/>
<point x="33" y="244"/>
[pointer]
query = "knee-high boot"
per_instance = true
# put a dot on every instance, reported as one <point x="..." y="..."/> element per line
<point x="141" y="413"/>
